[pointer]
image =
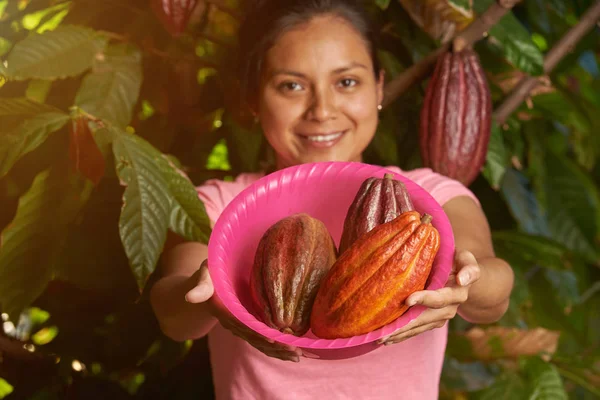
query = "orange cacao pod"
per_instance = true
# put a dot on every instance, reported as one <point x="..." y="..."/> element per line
<point x="377" y="201"/>
<point x="367" y="286"/>
<point x="456" y="117"/>
<point x="292" y="258"/>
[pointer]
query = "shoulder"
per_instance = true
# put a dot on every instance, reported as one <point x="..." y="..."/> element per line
<point x="216" y="194"/>
<point x="440" y="187"/>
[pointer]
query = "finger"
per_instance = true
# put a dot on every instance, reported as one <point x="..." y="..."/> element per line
<point x="440" y="298"/>
<point x="427" y="317"/>
<point x="275" y="351"/>
<point x="468" y="268"/>
<point x="204" y="288"/>
<point x="413" y="332"/>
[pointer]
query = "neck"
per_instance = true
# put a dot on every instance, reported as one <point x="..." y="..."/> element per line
<point x="281" y="164"/>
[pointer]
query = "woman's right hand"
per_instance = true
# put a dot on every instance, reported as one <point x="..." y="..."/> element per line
<point x="203" y="291"/>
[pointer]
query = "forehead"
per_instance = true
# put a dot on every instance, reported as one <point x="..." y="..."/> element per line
<point x="325" y="42"/>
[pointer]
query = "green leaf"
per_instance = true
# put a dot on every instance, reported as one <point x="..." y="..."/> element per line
<point x="25" y="125"/>
<point x="5" y="388"/>
<point x="566" y="287"/>
<point x="244" y="145"/>
<point x="529" y="250"/>
<point x="188" y="215"/>
<point x="383" y="4"/>
<point x="146" y="208"/>
<point x="545" y="381"/>
<point x="65" y="52"/>
<point x="111" y="90"/>
<point x="33" y="241"/>
<point x="572" y="201"/>
<point x="524" y="206"/>
<point x="509" y="386"/>
<point x="497" y="158"/>
<point x="514" y="40"/>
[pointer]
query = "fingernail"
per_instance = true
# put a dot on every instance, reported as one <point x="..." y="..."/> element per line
<point x="464" y="279"/>
<point x="309" y="355"/>
<point x="412" y="301"/>
<point x="382" y="340"/>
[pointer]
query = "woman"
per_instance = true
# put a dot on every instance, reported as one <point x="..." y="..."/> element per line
<point x="312" y="79"/>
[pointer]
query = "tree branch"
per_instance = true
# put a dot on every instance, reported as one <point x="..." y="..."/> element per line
<point x="553" y="57"/>
<point x="474" y="32"/>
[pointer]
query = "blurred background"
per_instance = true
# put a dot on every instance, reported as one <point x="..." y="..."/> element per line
<point x="103" y="102"/>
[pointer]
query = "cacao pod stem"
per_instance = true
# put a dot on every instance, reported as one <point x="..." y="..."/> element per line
<point x="426" y="219"/>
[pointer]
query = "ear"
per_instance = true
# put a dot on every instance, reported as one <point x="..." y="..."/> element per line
<point x="380" y="86"/>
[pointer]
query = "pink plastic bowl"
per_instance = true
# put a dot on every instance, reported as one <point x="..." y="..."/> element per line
<point x="324" y="191"/>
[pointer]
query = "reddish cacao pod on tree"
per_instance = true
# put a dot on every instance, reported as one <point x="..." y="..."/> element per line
<point x="377" y="201"/>
<point x="174" y="14"/>
<point x="292" y="258"/>
<point x="368" y="285"/>
<point x="456" y="117"/>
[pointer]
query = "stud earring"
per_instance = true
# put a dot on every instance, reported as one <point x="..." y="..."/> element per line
<point x="379" y="107"/>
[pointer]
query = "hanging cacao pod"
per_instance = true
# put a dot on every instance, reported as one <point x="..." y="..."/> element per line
<point x="173" y="14"/>
<point x="368" y="285"/>
<point x="377" y="201"/>
<point x="456" y="117"/>
<point x="292" y="258"/>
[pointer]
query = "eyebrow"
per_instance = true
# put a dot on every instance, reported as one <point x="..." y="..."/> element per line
<point x="335" y="71"/>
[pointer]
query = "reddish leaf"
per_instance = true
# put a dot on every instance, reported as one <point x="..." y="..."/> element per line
<point x="84" y="153"/>
<point x="174" y="14"/>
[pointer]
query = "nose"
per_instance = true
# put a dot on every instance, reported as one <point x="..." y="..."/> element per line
<point x="322" y="107"/>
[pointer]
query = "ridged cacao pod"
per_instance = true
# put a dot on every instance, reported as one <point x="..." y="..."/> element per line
<point x="377" y="201"/>
<point x="368" y="285"/>
<point x="174" y="14"/>
<point x="292" y="258"/>
<point x="456" y="117"/>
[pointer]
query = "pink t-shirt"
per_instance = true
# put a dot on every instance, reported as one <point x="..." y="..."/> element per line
<point x="407" y="370"/>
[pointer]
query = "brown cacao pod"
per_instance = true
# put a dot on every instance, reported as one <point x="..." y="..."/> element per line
<point x="368" y="285"/>
<point x="292" y="258"/>
<point x="377" y="201"/>
<point x="456" y="117"/>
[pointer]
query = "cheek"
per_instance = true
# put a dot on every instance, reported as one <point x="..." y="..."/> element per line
<point x="278" y="115"/>
<point x="363" y="112"/>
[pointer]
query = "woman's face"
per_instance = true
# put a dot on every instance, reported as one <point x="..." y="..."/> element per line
<point x="318" y="95"/>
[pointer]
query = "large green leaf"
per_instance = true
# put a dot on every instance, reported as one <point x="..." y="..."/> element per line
<point x="509" y="386"/>
<point x="544" y="380"/>
<point x="33" y="241"/>
<point x="64" y="52"/>
<point x="529" y="250"/>
<point x="188" y="215"/>
<point x="497" y="158"/>
<point x="111" y="89"/>
<point x="514" y="40"/>
<point x="25" y="125"/>
<point x="571" y="200"/>
<point x="523" y="204"/>
<point x="146" y="212"/>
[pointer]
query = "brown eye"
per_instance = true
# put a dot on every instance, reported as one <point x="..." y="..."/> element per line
<point x="348" y="83"/>
<point x="290" y="86"/>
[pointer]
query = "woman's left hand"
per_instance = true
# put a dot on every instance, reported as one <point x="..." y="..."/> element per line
<point x="442" y="303"/>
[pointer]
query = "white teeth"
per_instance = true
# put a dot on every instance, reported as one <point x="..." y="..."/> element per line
<point x="324" y="138"/>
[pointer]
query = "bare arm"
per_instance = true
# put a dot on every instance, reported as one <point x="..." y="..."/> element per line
<point x="179" y="319"/>
<point x="489" y="296"/>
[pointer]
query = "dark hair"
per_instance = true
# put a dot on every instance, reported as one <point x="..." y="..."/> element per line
<point x="266" y="20"/>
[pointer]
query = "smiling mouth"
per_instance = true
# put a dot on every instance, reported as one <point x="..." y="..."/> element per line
<point x="323" y="138"/>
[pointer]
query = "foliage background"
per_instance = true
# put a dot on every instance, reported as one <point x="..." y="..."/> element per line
<point x="101" y="107"/>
